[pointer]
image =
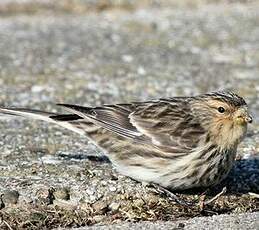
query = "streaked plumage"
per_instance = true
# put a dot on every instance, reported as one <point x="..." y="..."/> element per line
<point x="178" y="143"/>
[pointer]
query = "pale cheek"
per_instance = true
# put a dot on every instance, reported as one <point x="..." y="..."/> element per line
<point x="223" y="125"/>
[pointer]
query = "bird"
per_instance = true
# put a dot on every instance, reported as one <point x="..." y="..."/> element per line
<point x="178" y="143"/>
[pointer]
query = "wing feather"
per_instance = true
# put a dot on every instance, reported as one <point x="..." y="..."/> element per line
<point x="170" y="125"/>
<point x="166" y="125"/>
<point x="115" y="120"/>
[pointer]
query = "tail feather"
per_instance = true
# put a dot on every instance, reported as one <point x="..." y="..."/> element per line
<point x="28" y="113"/>
<point x="66" y="117"/>
<point x="64" y="120"/>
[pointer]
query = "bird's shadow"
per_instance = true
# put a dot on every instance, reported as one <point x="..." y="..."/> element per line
<point x="81" y="156"/>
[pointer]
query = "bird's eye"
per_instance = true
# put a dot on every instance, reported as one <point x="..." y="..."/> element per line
<point x="221" y="109"/>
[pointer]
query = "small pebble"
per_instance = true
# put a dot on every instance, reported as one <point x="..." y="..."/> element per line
<point x="127" y="58"/>
<point x="114" y="206"/>
<point x="65" y="204"/>
<point x="112" y="189"/>
<point x="98" y="218"/>
<point x="139" y="203"/>
<point x="62" y="194"/>
<point x="45" y="195"/>
<point x="10" y="197"/>
<point x="100" y="206"/>
<point x="141" y="70"/>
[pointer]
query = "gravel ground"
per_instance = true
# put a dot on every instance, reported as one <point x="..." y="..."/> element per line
<point x="116" y="54"/>
<point x="222" y="222"/>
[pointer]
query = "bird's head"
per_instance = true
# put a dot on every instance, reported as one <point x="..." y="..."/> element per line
<point x="224" y="115"/>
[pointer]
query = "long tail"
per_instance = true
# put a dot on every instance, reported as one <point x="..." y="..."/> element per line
<point x="69" y="121"/>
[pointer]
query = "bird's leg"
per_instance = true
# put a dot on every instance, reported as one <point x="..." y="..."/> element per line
<point x="216" y="197"/>
<point x="170" y="194"/>
<point x="202" y="201"/>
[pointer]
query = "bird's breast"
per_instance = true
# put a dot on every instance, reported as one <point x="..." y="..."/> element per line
<point x="201" y="169"/>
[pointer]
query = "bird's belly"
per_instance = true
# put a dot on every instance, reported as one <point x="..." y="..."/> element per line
<point x="140" y="174"/>
<point x="199" y="173"/>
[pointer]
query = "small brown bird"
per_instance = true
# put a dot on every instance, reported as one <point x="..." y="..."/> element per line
<point x="178" y="143"/>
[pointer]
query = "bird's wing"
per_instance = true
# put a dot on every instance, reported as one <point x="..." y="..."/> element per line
<point x="114" y="118"/>
<point x="167" y="126"/>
